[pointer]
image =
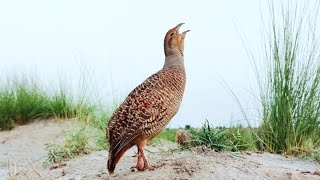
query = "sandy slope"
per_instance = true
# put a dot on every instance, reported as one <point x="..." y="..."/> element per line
<point x="23" y="149"/>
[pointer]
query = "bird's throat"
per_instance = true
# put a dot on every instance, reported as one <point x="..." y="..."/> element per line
<point x="174" y="61"/>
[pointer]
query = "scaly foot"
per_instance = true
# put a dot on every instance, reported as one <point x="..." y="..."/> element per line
<point x="140" y="163"/>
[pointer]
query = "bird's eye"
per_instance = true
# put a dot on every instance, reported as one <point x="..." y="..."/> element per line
<point x="172" y="34"/>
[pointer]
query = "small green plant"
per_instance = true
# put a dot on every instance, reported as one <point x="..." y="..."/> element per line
<point x="219" y="139"/>
<point x="77" y="142"/>
<point x="55" y="154"/>
<point x="316" y="154"/>
<point x="82" y="138"/>
<point x="211" y="137"/>
<point x="242" y="138"/>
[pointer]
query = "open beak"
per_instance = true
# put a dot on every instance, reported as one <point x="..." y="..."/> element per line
<point x="178" y="27"/>
<point x="181" y="36"/>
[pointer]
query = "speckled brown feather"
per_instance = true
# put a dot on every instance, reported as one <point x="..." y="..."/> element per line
<point x="148" y="108"/>
<point x="151" y="105"/>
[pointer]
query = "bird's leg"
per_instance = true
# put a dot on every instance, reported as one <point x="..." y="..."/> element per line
<point x="140" y="164"/>
<point x="145" y="159"/>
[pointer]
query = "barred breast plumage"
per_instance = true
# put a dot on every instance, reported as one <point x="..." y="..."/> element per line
<point x="150" y="106"/>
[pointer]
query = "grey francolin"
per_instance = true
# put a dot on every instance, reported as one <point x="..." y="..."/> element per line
<point x="150" y="106"/>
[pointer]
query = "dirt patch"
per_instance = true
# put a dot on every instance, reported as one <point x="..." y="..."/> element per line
<point x="22" y="155"/>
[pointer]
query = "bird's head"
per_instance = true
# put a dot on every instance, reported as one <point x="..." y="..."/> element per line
<point x="174" y="41"/>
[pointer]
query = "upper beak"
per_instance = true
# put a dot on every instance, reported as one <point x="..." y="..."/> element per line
<point x="178" y="26"/>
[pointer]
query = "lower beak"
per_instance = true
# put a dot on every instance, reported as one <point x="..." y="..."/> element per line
<point x="184" y="34"/>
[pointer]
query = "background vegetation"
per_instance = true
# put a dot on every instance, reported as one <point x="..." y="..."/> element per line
<point x="23" y="100"/>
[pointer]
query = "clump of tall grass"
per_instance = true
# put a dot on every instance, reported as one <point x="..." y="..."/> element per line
<point x="289" y="80"/>
<point x="22" y="100"/>
<point x="6" y="109"/>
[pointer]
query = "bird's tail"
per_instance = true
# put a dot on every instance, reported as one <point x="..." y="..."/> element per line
<point x="114" y="158"/>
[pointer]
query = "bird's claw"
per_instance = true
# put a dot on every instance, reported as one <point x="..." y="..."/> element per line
<point x="151" y="168"/>
<point x="139" y="167"/>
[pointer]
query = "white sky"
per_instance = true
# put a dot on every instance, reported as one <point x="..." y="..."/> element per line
<point x="121" y="43"/>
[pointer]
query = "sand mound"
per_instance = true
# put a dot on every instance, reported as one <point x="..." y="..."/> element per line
<point x="22" y="155"/>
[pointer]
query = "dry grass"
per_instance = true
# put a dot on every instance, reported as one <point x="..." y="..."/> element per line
<point x="16" y="171"/>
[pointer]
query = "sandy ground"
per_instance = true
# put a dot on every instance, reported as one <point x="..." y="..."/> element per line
<point x="22" y="153"/>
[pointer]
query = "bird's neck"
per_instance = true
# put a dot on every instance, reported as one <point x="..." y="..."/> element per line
<point x="174" y="61"/>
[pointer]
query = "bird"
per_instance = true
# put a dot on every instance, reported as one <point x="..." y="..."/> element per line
<point x="150" y="106"/>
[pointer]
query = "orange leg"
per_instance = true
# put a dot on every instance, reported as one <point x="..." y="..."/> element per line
<point x="140" y="163"/>
<point x="145" y="159"/>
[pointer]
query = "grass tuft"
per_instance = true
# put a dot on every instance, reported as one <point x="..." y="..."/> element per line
<point x="6" y="110"/>
<point x="76" y="143"/>
<point x="242" y="138"/>
<point x="80" y="139"/>
<point x="290" y="85"/>
<point x="210" y="137"/>
<point x="220" y="139"/>
<point x="22" y="100"/>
